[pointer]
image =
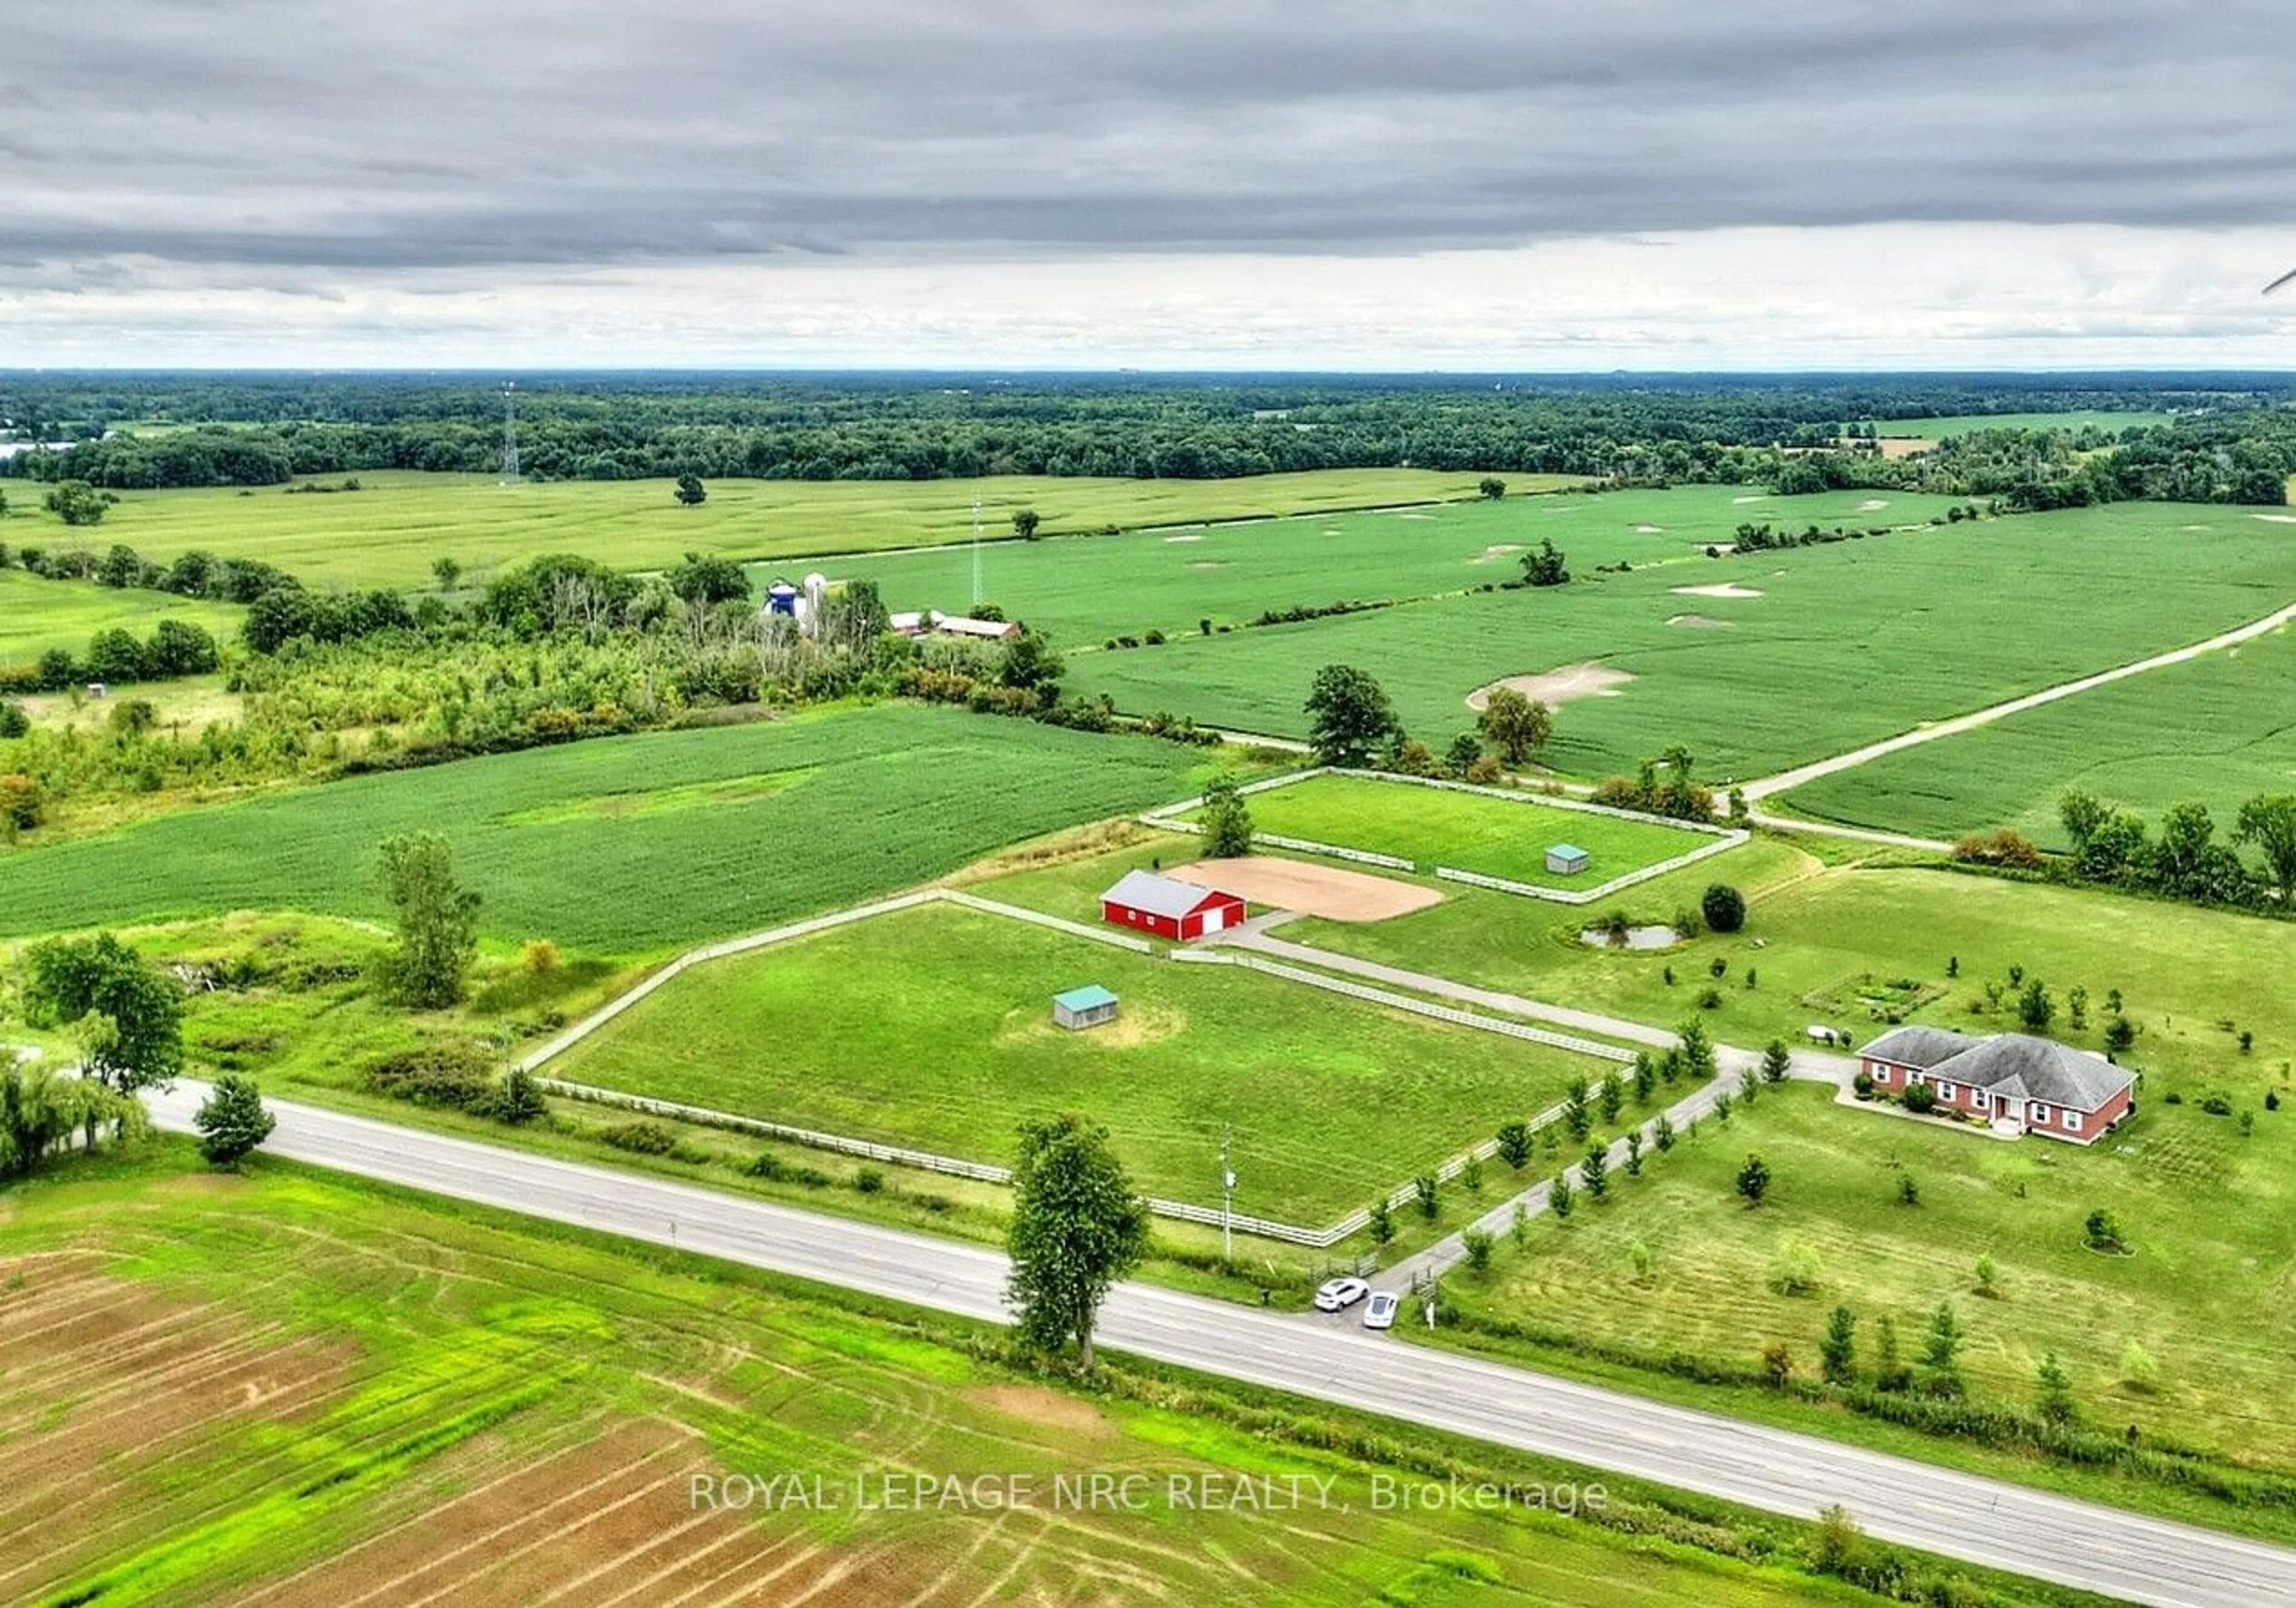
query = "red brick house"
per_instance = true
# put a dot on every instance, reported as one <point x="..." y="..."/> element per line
<point x="1169" y="908"/>
<point x="2040" y="1086"/>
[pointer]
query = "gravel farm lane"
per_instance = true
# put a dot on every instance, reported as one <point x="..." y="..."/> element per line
<point x="2005" y="1526"/>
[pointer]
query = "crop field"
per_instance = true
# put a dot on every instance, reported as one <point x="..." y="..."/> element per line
<point x="391" y="531"/>
<point x="37" y="614"/>
<point x="1086" y="591"/>
<point x="2218" y="730"/>
<point x="2206" y="1211"/>
<point x="933" y="1028"/>
<point x="1962" y="424"/>
<point x="1777" y="658"/>
<point x="1432" y="826"/>
<point x="293" y="1386"/>
<point x="625" y="845"/>
<point x="1817" y="939"/>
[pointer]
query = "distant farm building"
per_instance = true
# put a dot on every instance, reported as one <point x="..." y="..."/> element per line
<point x="1169" y="907"/>
<point x="2038" y="1084"/>
<point x="925" y="622"/>
<point x="957" y="624"/>
<point x="1566" y="859"/>
<point x="1084" y="1007"/>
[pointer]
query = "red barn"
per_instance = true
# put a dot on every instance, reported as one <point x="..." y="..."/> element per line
<point x="1169" y="908"/>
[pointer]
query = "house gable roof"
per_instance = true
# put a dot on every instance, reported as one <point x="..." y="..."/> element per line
<point x="1089" y="998"/>
<point x="1162" y="895"/>
<point x="2040" y="1068"/>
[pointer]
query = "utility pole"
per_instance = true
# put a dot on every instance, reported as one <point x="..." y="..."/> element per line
<point x="976" y="547"/>
<point x="510" y="433"/>
<point x="1227" y="1200"/>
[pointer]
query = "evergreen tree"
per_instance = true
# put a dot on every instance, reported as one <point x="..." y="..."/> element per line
<point x="1227" y="820"/>
<point x="232" y="1120"/>
<point x="1838" y="1351"/>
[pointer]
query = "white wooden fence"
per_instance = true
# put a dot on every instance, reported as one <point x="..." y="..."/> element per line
<point x="984" y="1173"/>
<point x="1726" y="838"/>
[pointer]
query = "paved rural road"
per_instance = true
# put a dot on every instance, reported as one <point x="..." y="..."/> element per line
<point x="2005" y="1526"/>
<point x="1786" y="780"/>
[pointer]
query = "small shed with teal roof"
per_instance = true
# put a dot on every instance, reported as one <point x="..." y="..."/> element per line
<point x="1566" y="859"/>
<point x="1084" y="1007"/>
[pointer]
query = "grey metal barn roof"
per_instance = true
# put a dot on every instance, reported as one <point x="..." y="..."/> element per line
<point x="1158" y="895"/>
<point x="2017" y="1064"/>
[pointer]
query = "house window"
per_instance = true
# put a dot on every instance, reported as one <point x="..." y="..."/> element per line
<point x="2072" y="1120"/>
<point x="1945" y="1093"/>
<point x="2040" y="1113"/>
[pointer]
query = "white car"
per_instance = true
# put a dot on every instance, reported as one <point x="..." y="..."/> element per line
<point x="1338" y="1294"/>
<point x="1381" y="1313"/>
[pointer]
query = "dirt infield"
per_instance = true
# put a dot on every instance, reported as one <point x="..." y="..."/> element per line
<point x="1324" y="890"/>
<point x="1557" y="687"/>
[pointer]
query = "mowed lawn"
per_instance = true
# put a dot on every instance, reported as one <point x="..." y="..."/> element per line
<point x="291" y="1381"/>
<point x="391" y="531"/>
<point x="1432" y="826"/>
<point x="1087" y="590"/>
<point x="1844" y="645"/>
<point x="2217" y="730"/>
<point x="1818" y="938"/>
<point x="37" y="614"/>
<point x="933" y="1028"/>
<point x="625" y="845"/>
<point x="2208" y="1212"/>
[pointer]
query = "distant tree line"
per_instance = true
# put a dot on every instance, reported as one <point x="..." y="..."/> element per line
<point x="2227" y="443"/>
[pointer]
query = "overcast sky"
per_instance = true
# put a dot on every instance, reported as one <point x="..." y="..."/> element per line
<point x="1630" y="183"/>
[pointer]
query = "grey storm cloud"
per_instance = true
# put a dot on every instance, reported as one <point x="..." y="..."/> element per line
<point x="446" y="134"/>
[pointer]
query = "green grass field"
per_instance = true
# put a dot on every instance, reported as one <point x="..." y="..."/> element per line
<point x="1846" y="644"/>
<point x="2208" y="1211"/>
<point x="390" y="532"/>
<point x="625" y="845"/>
<point x="1086" y="591"/>
<point x="1433" y="827"/>
<point x="1962" y="424"/>
<point x="37" y="614"/>
<point x="1826" y="935"/>
<point x="2219" y="730"/>
<point x="294" y="1383"/>
<point x="933" y="1028"/>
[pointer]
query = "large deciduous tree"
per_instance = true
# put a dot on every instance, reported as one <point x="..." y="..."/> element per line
<point x="690" y="490"/>
<point x="41" y="1109"/>
<point x="127" y="1016"/>
<point x="2268" y="821"/>
<point x="438" y="922"/>
<point x="76" y="503"/>
<point x="1348" y="716"/>
<point x="1078" y="1227"/>
<point x="1516" y="726"/>
<point x="702" y="579"/>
